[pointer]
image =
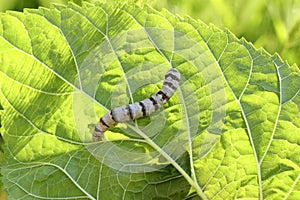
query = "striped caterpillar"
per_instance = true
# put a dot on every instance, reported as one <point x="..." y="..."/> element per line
<point x="138" y="109"/>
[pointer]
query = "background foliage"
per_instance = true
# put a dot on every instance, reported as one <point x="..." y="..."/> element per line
<point x="273" y="25"/>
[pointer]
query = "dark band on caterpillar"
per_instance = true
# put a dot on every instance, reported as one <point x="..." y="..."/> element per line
<point x="103" y="122"/>
<point x="143" y="108"/>
<point x="172" y="77"/>
<point x="155" y="104"/>
<point x="171" y="85"/>
<point x="138" y="109"/>
<point x="129" y="111"/>
<point x="164" y="96"/>
<point x="153" y="101"/>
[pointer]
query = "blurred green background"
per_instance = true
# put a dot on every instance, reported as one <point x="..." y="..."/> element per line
<point x="271" y="24"/>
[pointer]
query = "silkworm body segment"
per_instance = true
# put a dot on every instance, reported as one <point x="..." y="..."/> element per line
<point x="138" y="109"/>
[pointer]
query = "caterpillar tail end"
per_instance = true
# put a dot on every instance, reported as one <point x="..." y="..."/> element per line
<point x="97" y="135"/>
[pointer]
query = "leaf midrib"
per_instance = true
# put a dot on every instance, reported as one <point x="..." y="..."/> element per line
<point x="192" y="180"/>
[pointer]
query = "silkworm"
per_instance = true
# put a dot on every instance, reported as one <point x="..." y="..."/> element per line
<point x="138" y="109"/>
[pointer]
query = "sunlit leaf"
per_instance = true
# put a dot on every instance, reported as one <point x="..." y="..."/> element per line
<point x="232" y="129"/>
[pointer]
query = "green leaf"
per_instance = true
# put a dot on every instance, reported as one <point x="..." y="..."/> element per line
<point x="232" y="129"/>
